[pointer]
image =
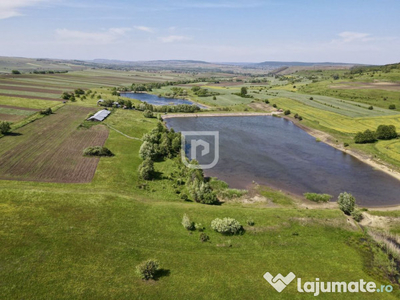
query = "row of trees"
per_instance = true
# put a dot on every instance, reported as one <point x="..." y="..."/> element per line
<point x="383" y="132"/>
<point x="200" y="92"/>
<point x="168" y="108"/>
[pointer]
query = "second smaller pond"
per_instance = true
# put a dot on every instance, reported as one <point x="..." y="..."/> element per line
<point x="155" y="100"/>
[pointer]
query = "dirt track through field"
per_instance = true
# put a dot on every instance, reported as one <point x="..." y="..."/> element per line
<point x="30" y="97"/>
<point x="50" y="149"/>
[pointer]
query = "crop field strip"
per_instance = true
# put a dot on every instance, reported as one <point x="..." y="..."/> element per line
<point x="50" y="149"/>
<point x="342" y="107"/>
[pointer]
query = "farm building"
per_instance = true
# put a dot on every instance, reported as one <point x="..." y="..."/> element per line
<point x="100" y="115"/>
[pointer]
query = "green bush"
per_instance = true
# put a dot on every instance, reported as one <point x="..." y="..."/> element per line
<point x="204" y="237"/>
<point x="146" y="169"/>
<point x="367" y="136"/>
<point x="97" y="151"/>
<point x="5" y="127"/>
<point x="46" y="112"/>
<point x="227" y="226"/>
<point x="148" y="269"/>
<point x="199" y="227"/>
<point x="371" y="107"/>
<point x="346" y="203"/>
<point x="287" y="112"/>
<point x="189" y="225"/>
<point x="318" y="197"/>
<point x="346" y="144"/>
<point x="15" y="72"/>
<point x="148" y="114"/>
<point x="357" y="215"/>
<point x="250" y="222"/>
<point x="392" y="106"/>
<point x="386" y="132"/>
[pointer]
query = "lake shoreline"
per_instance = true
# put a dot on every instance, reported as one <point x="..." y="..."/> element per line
<point x="324" y="137"/>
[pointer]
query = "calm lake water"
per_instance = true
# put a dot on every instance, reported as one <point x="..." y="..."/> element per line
<point x="275" y="152"/>
<point x="155" y="100"/>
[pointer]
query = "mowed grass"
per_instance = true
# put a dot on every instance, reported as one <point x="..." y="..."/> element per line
<point x="375" y="97"/>
<point x="335" y="105"/>
<point x="27" y="103"/>
<point x="86" y="246"/>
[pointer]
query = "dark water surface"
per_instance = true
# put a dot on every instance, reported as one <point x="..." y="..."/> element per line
<point x="155" y="100"/>
<point x="275" y="152"/>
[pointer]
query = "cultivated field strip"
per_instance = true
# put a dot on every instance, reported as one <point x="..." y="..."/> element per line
<point x="50" y="149"/>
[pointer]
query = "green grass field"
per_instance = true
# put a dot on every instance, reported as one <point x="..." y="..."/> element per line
<point x="83" y="241"/>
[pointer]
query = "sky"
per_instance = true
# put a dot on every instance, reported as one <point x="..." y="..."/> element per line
<point x="350" y="31"/>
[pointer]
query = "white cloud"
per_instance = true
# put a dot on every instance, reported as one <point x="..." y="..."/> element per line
<point x="174" y="38"/>
<point x="348" y="36"/>
<point x="144" y="28"/>
<point x="84" y="37"/>
<point x="11" y="8"/>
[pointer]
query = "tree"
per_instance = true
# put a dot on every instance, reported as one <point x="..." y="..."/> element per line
<point x="227" y="226"/>
<point x="386" y="132"/>
<point x="243" y="91"/>
<point x="146" y="169"/>
<point x="147" y="269"/>
<point x="148" y="114"/>
<point x="5" y="127"/>
<point x="367" y="136"/>
<point x="346" y="203"/>
<point x="15" y="72"/>
<point x="148" y="150"/>
<point x="392" y="106"/>
<point x="287" y="112"/>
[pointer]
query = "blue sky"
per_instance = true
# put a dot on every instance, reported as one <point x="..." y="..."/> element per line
<point x="353" y="31"/>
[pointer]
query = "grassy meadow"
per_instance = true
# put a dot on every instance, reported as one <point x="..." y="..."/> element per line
<point x="84" y="240"/>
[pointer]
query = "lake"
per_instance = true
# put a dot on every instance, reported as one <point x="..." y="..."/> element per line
<point x="155" y="100"/>
<point x="275" y="152"/>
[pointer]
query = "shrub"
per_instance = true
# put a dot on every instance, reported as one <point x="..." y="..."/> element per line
<point x="311" y="98"/>
<point x="318" y="197"/>
<point x="287" y="112"/>
<point x="346" y="144"/>
<point x="346" y="203"/>
<point x="392" y="106"/>
<point x="204" y="237"/>
<point x="250" y="222"/>
<point x="147" y="269"/>
<point x="79" y="92"/>
<point x="367" y="136"/>
<point x="227" y="226"/>
<point x="300" y="118"/>
<point x="148" y="114"/>
<point x="5" y="127"/>
<point x="371" y="107"/>
<point x="199" y="227"/>
<point x="189" y="225"/>
<point x="386" y="132"/>
<point x="296" y="116"/>
<point x="266" y="101"/>
<point x="46" y="112"/>
<point x="184" y="197"/>
<point x="146" y="169"/>
<point x="357" y="215"/>
<point x="97" y="151"/>
<point x="274" y="105"/>
<point x="15" y="72"/>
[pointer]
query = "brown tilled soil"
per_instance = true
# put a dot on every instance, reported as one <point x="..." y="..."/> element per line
<point x="50" y="149"/>
<point x="31" y="97"/>
<point x="10" y="118"/>
<point x="28" y="89"/>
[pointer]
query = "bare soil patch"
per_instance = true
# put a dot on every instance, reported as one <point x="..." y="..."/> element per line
<point x="50" y="149"/>
<point x="11" y="118"/>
